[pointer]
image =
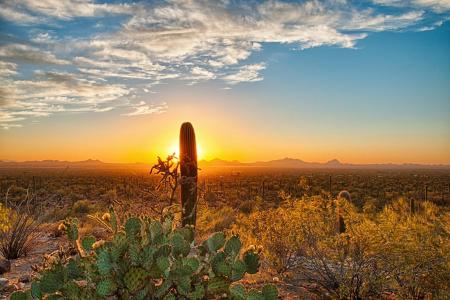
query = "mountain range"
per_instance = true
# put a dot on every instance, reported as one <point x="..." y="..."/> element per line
<point x="285" y="163"/>
<point x="293" y="163"/>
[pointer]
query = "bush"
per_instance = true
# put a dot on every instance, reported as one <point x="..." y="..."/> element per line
<point x="392" y="251"/>
<point x="81" y="207"/>
<point x="149" y="259"/>
<point x="18" y="235"/>
<point x="211" y="219"/>
<point x="5" y="222"/>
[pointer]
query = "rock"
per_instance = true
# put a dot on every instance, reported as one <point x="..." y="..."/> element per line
<point x="10" y="288"/>
<point x="5" y="265"/>
<point x="3" y="283"/>
<point x="100" y="233"/>
<point x="25" y="278"/>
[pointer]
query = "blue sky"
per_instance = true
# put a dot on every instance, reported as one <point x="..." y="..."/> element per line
<point x="321" y="76"/>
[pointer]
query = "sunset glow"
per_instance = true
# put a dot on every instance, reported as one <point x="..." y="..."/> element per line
<point x="312" y="80"/>
<point x="174" y="148"/>
<point x="224" y="149"/>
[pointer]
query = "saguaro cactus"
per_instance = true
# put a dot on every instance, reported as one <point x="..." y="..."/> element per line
<point x="340" y="220"/>
<point x="412" y="207"/>
<point x="188" y="168"/>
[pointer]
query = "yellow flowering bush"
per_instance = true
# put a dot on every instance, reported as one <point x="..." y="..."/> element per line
<point x="5" y="215"/>
<point x="392" y="251"/>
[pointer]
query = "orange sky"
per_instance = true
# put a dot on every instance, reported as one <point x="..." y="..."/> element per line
<point x="227" y="136"/>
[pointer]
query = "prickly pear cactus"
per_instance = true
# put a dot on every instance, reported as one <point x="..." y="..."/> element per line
<point x="149" y="259"/>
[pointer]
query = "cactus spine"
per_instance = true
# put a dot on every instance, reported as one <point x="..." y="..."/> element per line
<point x="188" y="168"/>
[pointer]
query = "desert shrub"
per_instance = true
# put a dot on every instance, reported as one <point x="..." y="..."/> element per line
<point x="272" y="230"/>
<point x="394" y="251"/>
<point x="81" y="207"/>
<point x="416" y="249"/>
<point x="212" y="219"/>
<point x="110" y="196"/>
<point x="246" y="207"/>
<point x="5" y="222"/>
<point x="211" y="197"/>
<point x="149" y="259"/>
<point x="17" y="239"/>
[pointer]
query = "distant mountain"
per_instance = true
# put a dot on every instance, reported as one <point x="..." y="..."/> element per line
<point x="285" y="163"/>
<point x="62" y="164"/>
<point x="333" y="162"/>
<point x="292" y="163"/>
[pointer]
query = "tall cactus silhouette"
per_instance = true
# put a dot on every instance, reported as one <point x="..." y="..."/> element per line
<point x="188" y="168"/>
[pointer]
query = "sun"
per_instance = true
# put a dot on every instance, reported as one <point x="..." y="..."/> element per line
<point x="174" y="148"/>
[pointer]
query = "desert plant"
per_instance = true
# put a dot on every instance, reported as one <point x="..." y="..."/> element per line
<point x="300" y="242"/>
<point x="81" y="207"/>
<point x="5" y="222"/>
<point x="188" y="168"/>
<point x="17" y="240"/>
<point x="212" y="219"/>
<point x="416" y="248"/>
<point x="390" y="252"/>
<point x="149" y="259"/>
<point x="168" y="170"/>
<point x="18" y="235"/>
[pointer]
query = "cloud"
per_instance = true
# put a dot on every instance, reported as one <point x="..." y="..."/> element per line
<point x="43" y="38"/>
<point x="143" y="108"/>
<point x="7" y="69"/>
<point x="436" y="5"/>
<point x="384" y="22"/>
<point x="33" y="11"/>
<point x="56" y="92"/>
<point x="247" y="73"/>
<point x="178" y="39"/>
<point x="99" y="68"/>
<point x="20" y="53"/>
<point x="199" y="73"/>
<point x="9" y="12"/>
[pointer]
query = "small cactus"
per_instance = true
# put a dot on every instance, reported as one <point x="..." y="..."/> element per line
<point x="188" y="168"/>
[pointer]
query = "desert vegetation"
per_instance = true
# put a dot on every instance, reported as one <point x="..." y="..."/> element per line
<point x="395" y="242"/>
<point x="179" y="232"/>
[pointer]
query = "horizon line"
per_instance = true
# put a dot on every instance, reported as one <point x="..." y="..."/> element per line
<point x="331" y="161"/>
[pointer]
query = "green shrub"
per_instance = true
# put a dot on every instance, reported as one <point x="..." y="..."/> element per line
<point x="149" y="259"/>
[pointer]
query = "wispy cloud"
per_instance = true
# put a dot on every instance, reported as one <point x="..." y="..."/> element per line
<point x="21" y="53"/>
<point x="191" y="40"/>
<point x="33" y="11"/>
<point x="47" y="93"/>
<point x="436" y="5"/>
<point x="247" y="73"/>
<point x="142" y="108"/>
<point x="9" y="12"/>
